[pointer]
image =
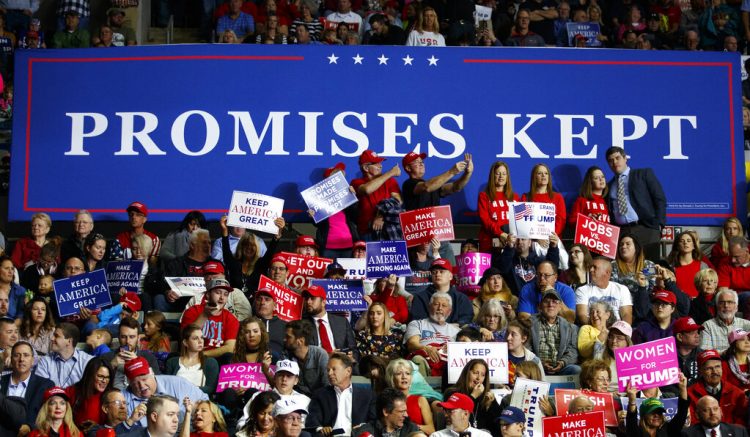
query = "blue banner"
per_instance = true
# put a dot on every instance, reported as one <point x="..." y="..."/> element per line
<point x="124" y="274"/>
<point x="670" y="404"/>
<point x="190" y="132"/>
<point x="387" y="257"/>
<point x="328" y="196"/>
<point x="342" y="295"/>
<point x="87" y="290"/>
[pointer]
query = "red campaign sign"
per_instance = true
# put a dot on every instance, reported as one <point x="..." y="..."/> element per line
<point x="598" y="237"/>
<point x="420" y="225"/>
<point x="334" y="25"/>
<point x="602" y="402"/>
<point x="303" y="269"/>
<point x="288" y="303"/>
<point x="583" y="424"/>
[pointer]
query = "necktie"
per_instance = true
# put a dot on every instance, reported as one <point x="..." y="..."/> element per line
<point x="622" y="202"/>
<point x="713" y="433"/>
<point x="325" y="343"/>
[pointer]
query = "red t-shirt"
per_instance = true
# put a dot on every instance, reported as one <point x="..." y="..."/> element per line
<point x="596" y="209"/>
<point x="216" y="329"/>
<point x="736" y="278"/>
<point x="125" y="238"/>
<point x="558" y="201"/>
<point x="686" y="277"/>
<point x="493" y="215"/>
<point x="368" y="203"/>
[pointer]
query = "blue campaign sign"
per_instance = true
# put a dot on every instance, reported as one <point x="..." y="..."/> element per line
<point x="588" y="30"/>
<point x="342" y="295"/>
<point x="298" y="110"/>
<point x="87" y="290"/>
<point x="328" y="196"/>
<point x="387" y="257"/>
<point x="124" y="274"/>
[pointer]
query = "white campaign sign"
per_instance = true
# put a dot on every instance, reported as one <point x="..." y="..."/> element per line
<point x="187" y="286"/>
<point x="531" y="219"/>
<point x="527" y="395"/>
<point x="494" y="354"/>
<point x="255" y="211"/>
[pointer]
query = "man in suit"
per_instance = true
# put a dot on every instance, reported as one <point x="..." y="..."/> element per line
<point x="356" y="404"/>
<point x="162" y="418"/>
<point x="553" y="339"/>
<point x="709" y="421"/>
<point x="22" y="383"/>
<point x="636" y="202"/>
<point x="332" y="332"/>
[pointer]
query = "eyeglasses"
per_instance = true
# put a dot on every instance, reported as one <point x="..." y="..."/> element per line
<point x="291" y="418"/>
<point x="117" y="403"/>
<point x="103" y="377"/>
<point x="545" y="275"/>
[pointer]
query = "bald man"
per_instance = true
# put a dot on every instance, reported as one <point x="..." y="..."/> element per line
<point x="709" y="421"/>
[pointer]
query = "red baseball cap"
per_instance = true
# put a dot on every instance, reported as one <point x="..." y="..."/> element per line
<point x="55" y="391"/>
<point x="136" y="367"/>
<point x="330" y="170"/>
<point x="707" y="356"/>
<point x="132" y="301"/>
<point x="138" y="206"/>
<point x="305" y="241"/>
<point x="280" y="259"/>
<point x="685" y="324"/>
<point x="359" y="245"/>
<point x="315" y="291"/>
<point x="458" y="401"/>
<point x="411" y="157"/>
<point x="441" y="263"/>
<point x="213" y="268"/>
<point x="370" y="157"/>
<point x="664" y="296"/>
<point x="265" y="291"/>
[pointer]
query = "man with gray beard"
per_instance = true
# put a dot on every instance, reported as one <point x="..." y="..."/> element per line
<point x="716" y="331"/>
<point x="425" y="339"/>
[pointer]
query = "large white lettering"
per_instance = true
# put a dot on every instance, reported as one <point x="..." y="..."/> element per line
<point x="275" y="120"/>
<point x="128" y="133"/>
<point x="212" y="133"/>
<point x="78" y="133"/>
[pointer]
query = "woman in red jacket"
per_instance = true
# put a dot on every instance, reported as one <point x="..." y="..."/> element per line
<point x="541" y="191"/>
<point x="492" y="205"/>
<point x="591" y="199"/>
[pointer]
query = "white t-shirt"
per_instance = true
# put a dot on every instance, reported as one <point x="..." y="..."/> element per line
<point x="425" y="39"/>
<point x="430" y="332"/>
<point x="616" y="295"/>
<point x="351" y="18"/>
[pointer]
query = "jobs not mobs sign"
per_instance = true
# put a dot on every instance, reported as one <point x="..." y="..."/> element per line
<point x="598" y="237"/>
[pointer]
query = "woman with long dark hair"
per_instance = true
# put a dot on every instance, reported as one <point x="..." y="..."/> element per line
<point x="177" y="242"/>
<point x="591" y="200"/>
<point x="86" y="395"/>
<point x="37" y="325"/>
<point x="261" y="423"/>
<point x="578" y="267"/>
<point x="192" y="365"/>
<point x="685" y="258"/>
<point x="474" y="382"/>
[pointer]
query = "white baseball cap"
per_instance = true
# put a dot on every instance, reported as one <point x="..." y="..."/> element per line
<point x="288" y="366"/>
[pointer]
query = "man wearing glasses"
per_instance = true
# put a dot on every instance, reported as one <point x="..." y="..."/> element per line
<point x="553" y="339"/>
<point x="530" y="296"/>
<point x="373" y="188"/>
<point x="116" y="412"/>
<point x="716" y="331"/>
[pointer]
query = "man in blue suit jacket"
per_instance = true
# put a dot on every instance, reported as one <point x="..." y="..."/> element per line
<point x="636" y="202"/>
<point x="23" y="383"/>
<point x="324" y="406"/>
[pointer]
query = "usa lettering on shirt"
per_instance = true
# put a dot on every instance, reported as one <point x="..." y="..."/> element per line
<point x="212" y="331"/>
<point x="427" y="41"/>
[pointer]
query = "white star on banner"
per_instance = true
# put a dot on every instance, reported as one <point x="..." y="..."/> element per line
<point x="332" y="59"/>
<point x="358" y="59"/>
<point x="407" y="60"/>
<point x="433" y="60"/>
<point x="383" y="60"/>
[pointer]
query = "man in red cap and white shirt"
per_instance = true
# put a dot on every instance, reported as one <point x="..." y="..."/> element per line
<point x="687" y="335"/>
<point x="731" y="399"/>
<point x="137" y="217"/>
<point x="373" y="188"/>
<point x="333" y="331"/>
<point x="659" y="323"/>
<point x="219" y="326"/>
<point x="441" y="272"/>
<point x="458" y="407"/>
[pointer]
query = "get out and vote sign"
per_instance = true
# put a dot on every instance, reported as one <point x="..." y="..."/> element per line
<point x="87" y="290"/>
<point x="255" y="211"/>
<point x="646" y="365"/>
<point x="598" y="237"/>
<point x="421" y="225"/>
<point x="494" y="354"/>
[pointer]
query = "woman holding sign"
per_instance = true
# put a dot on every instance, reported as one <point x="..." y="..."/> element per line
<point x="652" y="422"/>
<point x="474" y="382"/>
<point x="591" y="198"/>
<point x="492" y="206"/>
<point x="541" y="191"/>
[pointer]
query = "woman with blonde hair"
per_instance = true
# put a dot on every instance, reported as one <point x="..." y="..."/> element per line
<point x="427" y="31"/>
<point x="491" y="321"/>
<point x="27" y="249"/>
<point x="400" y="374"/>
<point x="56" y="416"/>
<point x="207" y="420"/>
<point x="541" y="191"/>
<point x="703" y="307"/>
<point x="377" y="336"/>
<point x="493" y="286"/>
<point x="492" y="206"/>
<point x="720" y="250"/>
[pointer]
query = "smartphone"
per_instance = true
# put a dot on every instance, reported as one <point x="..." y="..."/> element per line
<point x="649" y="271"/>
<point x="125" y="348"/>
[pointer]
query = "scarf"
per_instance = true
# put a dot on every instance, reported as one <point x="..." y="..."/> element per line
<point x="734" y="366"/>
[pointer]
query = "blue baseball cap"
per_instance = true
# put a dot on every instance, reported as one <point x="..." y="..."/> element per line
<point x="512" y="415"/>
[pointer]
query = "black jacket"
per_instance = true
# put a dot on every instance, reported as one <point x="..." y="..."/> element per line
<point x="324" y="407"/>
<point x="34" y="395"/>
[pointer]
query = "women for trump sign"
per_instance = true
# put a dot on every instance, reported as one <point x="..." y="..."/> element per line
<point x="646" y="365"/>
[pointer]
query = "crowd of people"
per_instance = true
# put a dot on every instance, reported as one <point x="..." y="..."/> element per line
<point x="132" y="369"/>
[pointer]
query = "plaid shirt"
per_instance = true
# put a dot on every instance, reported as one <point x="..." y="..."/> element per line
<point x="390" y="209"/>
<point x="549" y="340"/>
<point x="80" y="6"/>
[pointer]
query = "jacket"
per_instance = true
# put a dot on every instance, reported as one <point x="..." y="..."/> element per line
<point x="567" y="350"/>
<point x="34" y="395"/>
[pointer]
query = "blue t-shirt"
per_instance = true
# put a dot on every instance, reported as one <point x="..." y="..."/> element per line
<point x="529" y="298"/>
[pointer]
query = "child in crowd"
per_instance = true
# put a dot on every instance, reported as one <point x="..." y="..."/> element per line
<point x="45" y="287"/>
<point x="99" y="341"/>
<point x="154" y="338"/>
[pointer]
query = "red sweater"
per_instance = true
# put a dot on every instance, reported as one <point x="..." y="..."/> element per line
<point x="733" y="402"/>
<point x="596" y="209"/>
<point x="686" y="277"/>
<point x="89" y="408"/>
<point x="558" y="201"/>
<point x="26" y="250"/>
<point x="492" y="215"/>
<point x="735" y="277"/>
